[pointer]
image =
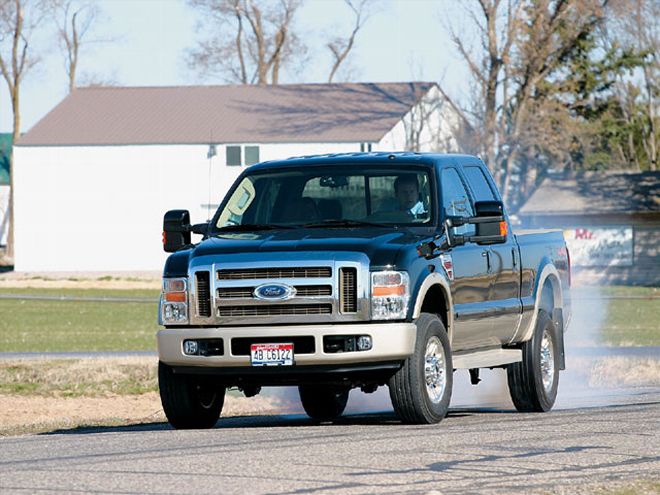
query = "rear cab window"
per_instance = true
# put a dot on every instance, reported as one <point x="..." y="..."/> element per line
<point x="479" y="184"/>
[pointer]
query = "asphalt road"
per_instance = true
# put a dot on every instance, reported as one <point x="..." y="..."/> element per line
<point x="476" y="449"/>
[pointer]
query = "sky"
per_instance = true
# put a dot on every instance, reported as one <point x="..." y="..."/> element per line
<point x="404" y="40"/>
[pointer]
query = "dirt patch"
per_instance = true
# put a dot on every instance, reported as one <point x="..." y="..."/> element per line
<point x="613" y="371"/>
<point x="28" y="414"/>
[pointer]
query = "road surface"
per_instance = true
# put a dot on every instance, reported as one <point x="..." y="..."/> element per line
<point x="476" y="449"/>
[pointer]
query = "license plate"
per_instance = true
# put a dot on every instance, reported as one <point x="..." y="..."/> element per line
<point x="271" y="354"/>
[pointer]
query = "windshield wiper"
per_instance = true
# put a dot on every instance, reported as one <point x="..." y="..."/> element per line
<point x="251" y="227"/>
<point x="347" y="223"/>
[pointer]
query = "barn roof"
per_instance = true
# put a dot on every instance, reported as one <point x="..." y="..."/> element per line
<point x="357" y="112"/>
<point x="603" y="192"/>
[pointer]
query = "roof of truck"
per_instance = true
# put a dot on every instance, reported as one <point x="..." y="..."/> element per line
<point x="373" y="157"/>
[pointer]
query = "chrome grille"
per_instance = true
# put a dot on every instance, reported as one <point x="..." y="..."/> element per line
<point x="313" y="290"/>
<point x="248" y="292"/>
<point x="235" y="292"/>
<point x="348" y="290"/>
<point x="283" y="272"/>
<point x="203" y="294"/>
<point x="275" y="310"/>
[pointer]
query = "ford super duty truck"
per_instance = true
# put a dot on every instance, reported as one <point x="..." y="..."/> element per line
<point x="359" y="270"/>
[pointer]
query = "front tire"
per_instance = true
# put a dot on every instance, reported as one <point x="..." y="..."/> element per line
<point x="189" y="402"/>
<point x="533" y="382"/>
<point x="421" y="389"/>
<point x="323" y="403"/>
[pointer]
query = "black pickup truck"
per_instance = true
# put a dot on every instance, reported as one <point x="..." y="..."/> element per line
<point x="339" y="271"/>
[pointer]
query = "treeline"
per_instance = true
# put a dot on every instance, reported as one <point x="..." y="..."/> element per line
<point x="564" y="84"/>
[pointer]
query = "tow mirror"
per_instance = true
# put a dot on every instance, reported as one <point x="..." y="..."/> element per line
<point x="490" y="222"/>
<point x="176" y="230"/>
<point x="491" y="226"/>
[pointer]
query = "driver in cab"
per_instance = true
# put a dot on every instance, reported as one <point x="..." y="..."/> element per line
<point x="406" y="190"/>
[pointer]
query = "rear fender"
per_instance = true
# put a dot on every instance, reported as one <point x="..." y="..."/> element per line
<point x="547" y="274"/>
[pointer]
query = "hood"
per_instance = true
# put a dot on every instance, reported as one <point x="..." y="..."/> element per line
<point x="380" y="245"/>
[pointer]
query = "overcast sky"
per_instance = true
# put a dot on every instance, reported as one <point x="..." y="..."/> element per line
<point x="405" y="40"/>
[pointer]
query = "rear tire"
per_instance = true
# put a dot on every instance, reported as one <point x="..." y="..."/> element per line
<point x="421" y="389"/>
<point x="189" y="402"/>
<point x="323" y="403"/>
<point x="533" y="381"/>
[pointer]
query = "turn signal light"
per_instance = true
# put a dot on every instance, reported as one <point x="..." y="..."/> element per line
<point x="504" y="228"/>
<point x="392" y="290"/>
<point x="175" y="296"/>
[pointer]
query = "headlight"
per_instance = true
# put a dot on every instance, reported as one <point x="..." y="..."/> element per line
<point x="389" y="295"/>
<point x="174" y="301"/>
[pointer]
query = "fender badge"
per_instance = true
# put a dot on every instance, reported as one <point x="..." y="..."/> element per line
<point x="447" y="265"/>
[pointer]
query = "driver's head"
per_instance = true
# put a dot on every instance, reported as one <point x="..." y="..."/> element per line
<point x="407" y="191"/>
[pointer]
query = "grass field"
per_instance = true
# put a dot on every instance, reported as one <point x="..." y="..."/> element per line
<point x="58" y="325"/>
<point x="28" y="325"/>
<point x="632" y="315"/>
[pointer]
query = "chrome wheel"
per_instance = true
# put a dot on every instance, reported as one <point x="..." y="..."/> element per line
<point x="434" y="370"/>
<point x="547" y="361"/>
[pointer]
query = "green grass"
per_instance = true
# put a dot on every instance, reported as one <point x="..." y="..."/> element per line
<point x="59" y="325"/>
<point x="51" y="326"/>
<point x="631" y="315"/>
<point x="632" y="322"/>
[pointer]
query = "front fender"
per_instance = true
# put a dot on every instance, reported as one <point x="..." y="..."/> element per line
<point x="437" y="278"/>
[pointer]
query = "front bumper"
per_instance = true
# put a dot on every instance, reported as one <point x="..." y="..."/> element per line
<point x="391" y="342"/>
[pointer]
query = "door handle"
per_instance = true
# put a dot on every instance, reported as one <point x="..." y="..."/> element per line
<point x="486" y="254"/>
<point x="513" y="256"/>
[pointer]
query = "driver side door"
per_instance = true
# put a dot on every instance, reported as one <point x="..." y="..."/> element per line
<point x="472" y="278"/>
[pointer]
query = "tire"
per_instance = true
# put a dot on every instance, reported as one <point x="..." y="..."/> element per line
<point x="533" y="381"/>
<point x="189" y="402"/>
<point x="421" y="389"/>
<point x="323" y="403"/>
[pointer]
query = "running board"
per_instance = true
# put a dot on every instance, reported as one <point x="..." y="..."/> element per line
<point x="486" y="358"/>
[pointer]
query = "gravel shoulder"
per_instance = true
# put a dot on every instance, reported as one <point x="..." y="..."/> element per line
<point x="80" y="280"/>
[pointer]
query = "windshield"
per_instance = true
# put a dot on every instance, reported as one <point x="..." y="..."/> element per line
<point x="341" y="196"/>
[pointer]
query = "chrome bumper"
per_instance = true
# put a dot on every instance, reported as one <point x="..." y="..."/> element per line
<point x="391" y="341"/>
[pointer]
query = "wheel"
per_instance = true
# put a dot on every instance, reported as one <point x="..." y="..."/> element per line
<point x="421" y="389"/>
<point x="323" y="402"/>
<point x="189" y="402"/>
<point x="533" y="381"/>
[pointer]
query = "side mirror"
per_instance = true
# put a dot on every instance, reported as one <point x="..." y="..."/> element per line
<point x="176" y="230"/>
<point x="489" y="220"/>
<point x="491" y="225"/>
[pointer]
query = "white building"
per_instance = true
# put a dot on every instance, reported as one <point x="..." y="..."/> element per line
<point x="94" y="177"/>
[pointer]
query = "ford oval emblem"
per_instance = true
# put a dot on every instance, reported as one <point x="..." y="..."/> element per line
<point x="274" y="292"/>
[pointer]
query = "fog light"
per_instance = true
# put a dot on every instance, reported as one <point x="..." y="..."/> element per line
<point x="190" y="347"/>
<point x="364" y="343"/>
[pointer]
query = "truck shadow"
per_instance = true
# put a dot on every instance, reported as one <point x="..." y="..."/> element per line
<point x="269" y="421"/>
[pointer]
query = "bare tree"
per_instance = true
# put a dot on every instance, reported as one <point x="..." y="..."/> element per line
<point x="498" y="24"/>
<point x="340" y="47"/>
<point x="18" y="18"/>
<point x="261" y="42"/>
<point x="511" y="69"/>
<point x="634" y="25"/>
<point x="74" y="20"/>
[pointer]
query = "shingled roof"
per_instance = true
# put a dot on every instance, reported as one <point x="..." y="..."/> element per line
<point x="603" y="192"/>
<point x="226" y="114"/>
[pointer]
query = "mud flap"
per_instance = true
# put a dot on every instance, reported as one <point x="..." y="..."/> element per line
<point x="558" y="320"/>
